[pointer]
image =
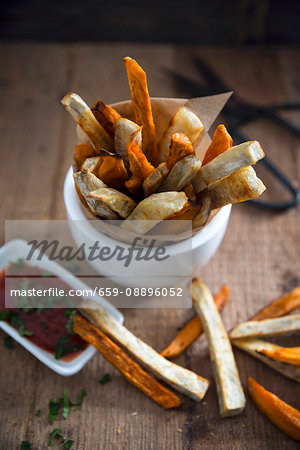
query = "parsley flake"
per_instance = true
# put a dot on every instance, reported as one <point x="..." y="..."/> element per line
<point x="105" y="379"/>
<point x="8" y="342"/>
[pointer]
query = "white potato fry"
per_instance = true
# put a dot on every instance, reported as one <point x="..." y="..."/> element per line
<point x="236" y="158"/>
<point x="123" y="131"/>
<point x="153" y="209"/>
<point x="181" y="174"/>
<point x="267" y="327"/>
<point x="229" y="389"/>
<point x="117" y="201"/>
<point x="83" y="115"/>
<point x="152" y="183"/>
<point x="184" y="380"/>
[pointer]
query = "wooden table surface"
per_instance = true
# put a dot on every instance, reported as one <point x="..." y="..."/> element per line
<point x="258" y="258"/>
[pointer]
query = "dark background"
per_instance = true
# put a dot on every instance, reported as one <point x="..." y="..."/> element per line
<point x="184" y="21"/>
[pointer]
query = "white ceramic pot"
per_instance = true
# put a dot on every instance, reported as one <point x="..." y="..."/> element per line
<point x="202" y="245"/>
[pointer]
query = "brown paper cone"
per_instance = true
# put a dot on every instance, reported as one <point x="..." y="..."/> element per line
<point x="163" y="109"/>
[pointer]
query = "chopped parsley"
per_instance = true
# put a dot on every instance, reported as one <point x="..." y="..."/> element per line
<point x="57" y="434"/>
<point x="8" y="342"/>
<point x="70" y="324"/>
<point x="65" y="403"/>
<point x="38" y="413"/>
<point x="62" y="347"/>
<point x="105" y="379"/>
<point x="18" y="265"/>
<point x="46" y="275"/>
<point x="25" y="445"/>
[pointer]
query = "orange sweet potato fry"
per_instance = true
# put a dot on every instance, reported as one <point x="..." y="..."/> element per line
<point x="106" y="116"/>
<point x="81" y="152"/>
<point x="281" y="306"/>
<point x="221" y="142"/>
<point x="113" y="172"/>
<point x="125" y="365"/>
<point x="138" y="164"/>
<point x="142" y="107"/>
<point x="193" y="329"/>
<point x="280" y="413"/>
<point x="289" y="355"/>
<point x="180" y="147"/>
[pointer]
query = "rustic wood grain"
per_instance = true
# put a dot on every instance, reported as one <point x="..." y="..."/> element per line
<point x="36" y="143"/>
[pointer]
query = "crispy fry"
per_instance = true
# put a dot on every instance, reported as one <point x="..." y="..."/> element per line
<point x="190" y="193"/>
<point x="180" y="378"/>
<point x="124" y="129"/>
<point x="86" y="182"/>
<point x="153" y="181"/>
<point x="125" y="365"/>
<point x="193" y="329"/>
<point x="138" y="163"/>
<point x="281" y="306"/>
<point x="82" y="114"/>
<point x="221" y="142"/>
<point x="229" y="389"/>
<point x="82" y="152"/>
<point x="184" y="121"/>
<point x="202" y="216"/>
<point x="288" y="355"/>
<point x="113" y="172"/>
<point x="142" y="107"/>
<point x="254" y="346"/>
<point x="181" y="174"/>
<point x="241" y="186"/>
<point x="92" y="164"/>
<point x="106" y="116"/>
<point x="280" y="413"/>
<point x="266" y="327"/>
<point x="227" y="163"/>
<point x="180" y="147"/>
<point x="153" y="209"/>
<point x="118" y="202"/>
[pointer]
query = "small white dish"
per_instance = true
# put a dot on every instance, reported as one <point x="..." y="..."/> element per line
<point x="18" y="248"/>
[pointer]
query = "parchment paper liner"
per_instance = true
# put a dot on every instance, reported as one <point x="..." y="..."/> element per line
<point x="207" y="108"/>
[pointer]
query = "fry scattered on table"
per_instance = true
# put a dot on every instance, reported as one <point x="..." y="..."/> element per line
<point x="253" y="348"/>
<point x="230" y="392"/>
<point x="288" y="355"/>
<point x="281" y="306"/>
<point x="181" y="379"/>
<point x="267" y="327"/>
<point x="280" y="413"/>
<point x="193" y="329"/>
<point x="126" y="366"/>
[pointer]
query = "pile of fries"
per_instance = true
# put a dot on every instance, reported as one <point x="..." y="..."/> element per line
<point x="141" y="365"/>
<point x="124" y="172"/>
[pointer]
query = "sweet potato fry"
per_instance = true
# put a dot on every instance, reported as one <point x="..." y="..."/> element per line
<point x="82" y="152"/>
<point x="193" y="329"/>
<point x="142" y="107"/>
<point x="234" y="159"/>
<point x="266" y="327"/>
<point x="253" y="348"/>
<point x="180" y="147"/>
<point x="138" y="163"/>
<point x="280" y="413"/>
<point x="221" y="142"/>
<point x="184" y="380"/>
<point x="184" y="121"/>
<point x="281" y="306"/>
<point x="229" y="389"/>
<point x="82" y="114"/>
<point x="288" y="355"/>
<point x="113" y="172"/>
<point x="125" y="365"/>
<point x="106" y="116"/>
